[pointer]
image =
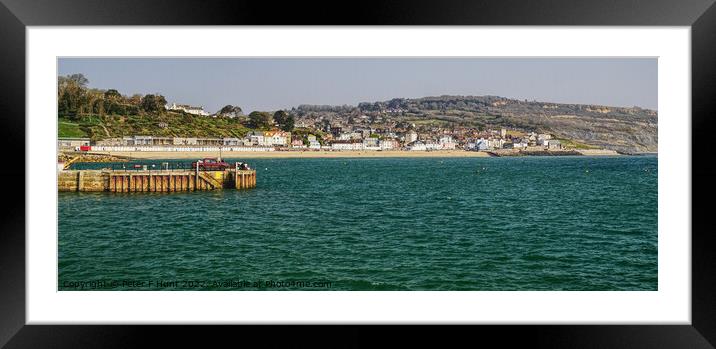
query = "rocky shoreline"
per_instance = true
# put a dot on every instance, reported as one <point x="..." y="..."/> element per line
<point x="570" y="152"/>
<point x="89" y="157"/>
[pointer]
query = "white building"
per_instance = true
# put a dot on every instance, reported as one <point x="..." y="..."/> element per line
<point x="268" y="138"/>
<point x="314" y="144"/>
<point x="411" y="137"/>
<point x="231" y="141"/>
<point x="431" y="145"/>
<point x="531" y="137"/>
<point x="543" y="139"/>
<point x="348" y="136"/>
<point x="347" y="145"/>
<point x="417" y="146"/>
<point x="184" y="141"/>
<point x="187" y="109"/>
<point x="447" y="143"/>
<point x="147" y="140"/>
<point x="520" y="145"/>
<point x="72" y="142"/>
<point x="481" y="144"/>
<point x="255" y="138"/>
<point x="388" y="144"/>
<point x="554" y="144"/>
<point x="495" y="143"/>
<point x="276" y="138"/>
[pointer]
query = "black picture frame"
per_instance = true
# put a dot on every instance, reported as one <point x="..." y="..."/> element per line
<point x="700" y="15"/>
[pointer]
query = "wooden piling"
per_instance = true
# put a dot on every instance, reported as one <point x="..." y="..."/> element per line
<point x="146" y="181"/>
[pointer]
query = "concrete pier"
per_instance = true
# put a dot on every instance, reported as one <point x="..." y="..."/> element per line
<point x="154" y="181"/>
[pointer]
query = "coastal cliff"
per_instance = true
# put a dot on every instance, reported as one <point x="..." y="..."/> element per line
<point x="622" y="129"/>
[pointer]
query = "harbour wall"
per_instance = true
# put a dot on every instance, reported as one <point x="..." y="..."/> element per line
<point x="153" y="181"/>
<point x="597" y="152"/>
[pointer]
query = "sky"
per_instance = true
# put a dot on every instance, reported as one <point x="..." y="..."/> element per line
<point x="270" y="84"/>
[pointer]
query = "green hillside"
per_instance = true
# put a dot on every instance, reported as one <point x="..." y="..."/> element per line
<point x="66" y="128"/>
<point x="168" y="124"/>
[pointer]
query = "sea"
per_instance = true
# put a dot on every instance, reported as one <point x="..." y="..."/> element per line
<point x="363" y="224"/>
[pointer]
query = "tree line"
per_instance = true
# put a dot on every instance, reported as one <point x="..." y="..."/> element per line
<point x="264" y="120"/>
<point x="75" y="99"/>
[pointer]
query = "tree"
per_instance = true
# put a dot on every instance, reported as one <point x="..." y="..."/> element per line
<point x="153" y="103"/>
<point x="284" y="120"/>
<point x="161" y="103"/>
<point x="112" y="103"/>
<point x="136" y="99"/>
<point x="148" y="103"/>
<point x="259" y="119"/>
<point x="289" y="123"/>
<point x="230" y="111"/>
<point x="279" y="117"/>
<point x="72" y="99"/>
<point x="112" y="94"/>
<point x="95" y="100"/>
<point x="78" y="79"/>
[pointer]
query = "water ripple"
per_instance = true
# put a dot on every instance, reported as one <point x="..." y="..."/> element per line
<point x="573" y="223"/>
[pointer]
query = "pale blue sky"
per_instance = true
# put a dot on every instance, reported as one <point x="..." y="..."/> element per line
<point x="277" y="83"/>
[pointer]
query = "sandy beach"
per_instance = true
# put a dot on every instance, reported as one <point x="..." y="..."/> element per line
<point x="296" y="154"/>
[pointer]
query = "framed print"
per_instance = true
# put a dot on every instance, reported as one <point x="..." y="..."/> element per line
<point x="420" y="164"/>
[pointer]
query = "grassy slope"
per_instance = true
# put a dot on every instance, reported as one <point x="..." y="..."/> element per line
<point x="575" y="145"/>
<point x="67" y="128"/>
<point x="168" y="125"/>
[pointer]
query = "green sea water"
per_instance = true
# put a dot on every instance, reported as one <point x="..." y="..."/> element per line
<point x="524" y="223"/>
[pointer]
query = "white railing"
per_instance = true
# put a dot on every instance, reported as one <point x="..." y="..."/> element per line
<point x="126" y="148"/>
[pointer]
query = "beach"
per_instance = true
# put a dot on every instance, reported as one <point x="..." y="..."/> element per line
<point x="156" y="155"/>
<point x="297" y="154"/>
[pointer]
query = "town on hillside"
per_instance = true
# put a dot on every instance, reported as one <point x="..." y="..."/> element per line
<point x="327" y="136"/>
<point x="106" y="120"/>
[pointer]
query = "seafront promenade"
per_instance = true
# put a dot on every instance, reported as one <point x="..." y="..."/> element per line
<point x="296" y="154"/>
<point x="331" y="154"/>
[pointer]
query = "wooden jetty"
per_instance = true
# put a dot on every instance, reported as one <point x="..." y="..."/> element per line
<point x="123" y="181"/>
